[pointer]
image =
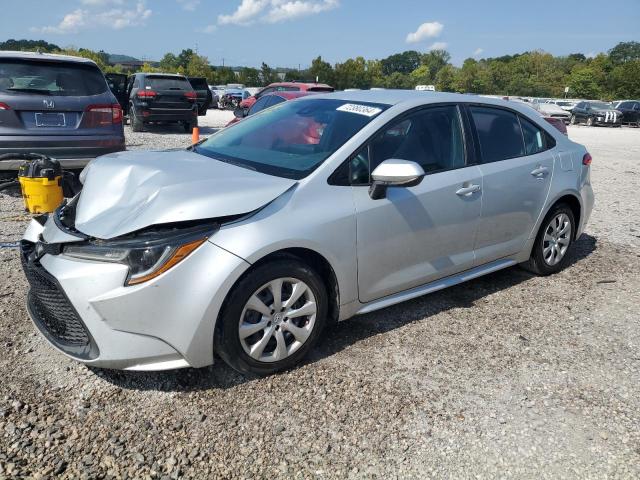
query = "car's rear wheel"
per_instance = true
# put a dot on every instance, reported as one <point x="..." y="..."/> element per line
<point x="137" y="125"/>
<point x="555" y="237"/>
<point x="189" y="126"/>
<point x="272" y="318"/>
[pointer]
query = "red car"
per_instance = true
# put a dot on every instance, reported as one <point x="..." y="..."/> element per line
<point x="266" y="101"/>
<point x="286" y="87"/>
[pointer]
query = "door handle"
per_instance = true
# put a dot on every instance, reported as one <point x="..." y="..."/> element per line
<point x="467" y="189"/>
<point x="540" y="171"/>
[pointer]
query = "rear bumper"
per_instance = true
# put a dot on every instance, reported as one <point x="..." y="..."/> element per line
<point x="166" y="115"/>
<point x="72" y="152"/>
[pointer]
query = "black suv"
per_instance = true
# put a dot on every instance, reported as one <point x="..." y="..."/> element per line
<point x="161" y="97"/>
<point x="205" y="97"/>
<point x="56" y="105"/>
<point x="630" y="111"/>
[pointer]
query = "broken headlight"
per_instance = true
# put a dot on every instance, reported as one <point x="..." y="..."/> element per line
<point x="147" y="255"/>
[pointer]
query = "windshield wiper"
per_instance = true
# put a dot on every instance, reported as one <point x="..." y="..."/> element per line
<point x="29" y="90"/>
<point x="195" y="149"/>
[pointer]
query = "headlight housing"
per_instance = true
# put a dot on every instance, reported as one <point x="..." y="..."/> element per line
<point x="147" y="254"/>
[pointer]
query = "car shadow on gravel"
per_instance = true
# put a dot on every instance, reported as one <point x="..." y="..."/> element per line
<point x="344" y="334"/>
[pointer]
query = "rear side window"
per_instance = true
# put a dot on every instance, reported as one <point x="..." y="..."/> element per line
<point x="199" y="83"/>
<point x="50" y="78"/>
<point x="260" y="105"/>
<point x="156" y="82"/>
<point x="498" y="132"/>
<point x="320" y="89"/>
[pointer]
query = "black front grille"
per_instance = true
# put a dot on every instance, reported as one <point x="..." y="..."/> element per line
<point x="52" y="311"/>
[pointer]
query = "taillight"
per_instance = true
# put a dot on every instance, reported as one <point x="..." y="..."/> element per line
<point x="191" y="95"/>
<point x="586" y="160"/>
<point x="99" y="115"/>
<point x="146" y="94"/>
<point x="4" y="106"/>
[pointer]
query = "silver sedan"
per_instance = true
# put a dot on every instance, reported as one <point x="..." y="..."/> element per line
<point x="253" y="242"/>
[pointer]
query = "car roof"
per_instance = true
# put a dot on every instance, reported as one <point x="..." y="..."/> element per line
<point x="397" y="97"/>
<point x="160" y="74"/>
<point x="52" y="57"/>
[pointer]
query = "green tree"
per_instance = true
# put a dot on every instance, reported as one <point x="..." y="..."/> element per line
<point x="29" y="45"/>
<point x="582" y="83"/>
<point x="625" y="52"/>
<point x="268" y="74"/>
<point x="446" y="79"/>
<point x="352" y="74"/>
<point x="169" y="63"/>
<point x="626" y="80"/>
<point x="405" y="62"/>
<point x="250" y="77"/>
<point x="435" y="60"/>
<point x="421" y="76"/>
<point x="321" y="71"/>
<point x="198" y="66"/>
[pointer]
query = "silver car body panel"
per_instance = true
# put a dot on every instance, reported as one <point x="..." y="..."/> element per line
<point x="417" y="240"/>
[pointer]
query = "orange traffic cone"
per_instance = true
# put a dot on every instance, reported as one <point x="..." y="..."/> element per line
<point x="195" y="135"/>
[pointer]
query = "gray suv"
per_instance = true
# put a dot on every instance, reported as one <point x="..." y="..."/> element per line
<point x="57" y="105"/>
<point x="252" y="242"/>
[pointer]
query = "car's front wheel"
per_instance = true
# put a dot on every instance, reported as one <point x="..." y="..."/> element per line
<point x="272" y="318"/>
<point x="573" y="120"/>
<point x="556" y="234"/>
<point x="590" y="122"/>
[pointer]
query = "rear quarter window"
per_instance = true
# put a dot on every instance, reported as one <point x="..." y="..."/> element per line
<point x="50" y="78"/>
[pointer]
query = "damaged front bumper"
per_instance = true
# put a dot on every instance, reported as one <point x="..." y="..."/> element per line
<point x="84" y="309"/>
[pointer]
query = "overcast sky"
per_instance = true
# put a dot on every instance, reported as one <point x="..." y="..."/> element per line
<point x="291" y="32"/>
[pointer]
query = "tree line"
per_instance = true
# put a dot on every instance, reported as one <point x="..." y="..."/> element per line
<point x="611" y="75"/>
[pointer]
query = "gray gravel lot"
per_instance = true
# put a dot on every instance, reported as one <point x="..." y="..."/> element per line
<point x="507" y="376"/>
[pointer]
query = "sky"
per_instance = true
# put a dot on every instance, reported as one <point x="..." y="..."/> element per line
<point x="290" y="33"/>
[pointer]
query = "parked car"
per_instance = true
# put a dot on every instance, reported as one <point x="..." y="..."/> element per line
<point x="56" y="105"/>
<point x="264" y="102"/>
<point x="253" y="242"/>
<point x="553" y="111"/>
<point x="231" y="99"/>
<point x="426" y="88"/>
<point x="595" y="113"/>
<point x="161" y="98"/>
<point x="564" y="104"/>
<point x="630" y="110"/>
<point x="557" y="122"/>
<point x="204" y="96"/>
<point x="286" y="87"/>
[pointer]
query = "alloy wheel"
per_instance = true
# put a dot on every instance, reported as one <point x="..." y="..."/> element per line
<point x="556" y="240"/>
<point x="277" y="319"/>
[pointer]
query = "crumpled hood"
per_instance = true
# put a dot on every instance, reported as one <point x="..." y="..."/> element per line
<point x="127" y="191"/>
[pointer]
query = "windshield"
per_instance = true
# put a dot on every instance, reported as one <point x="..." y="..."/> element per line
<point x="291" y="139"/>
<point x="167" y="83"/>
<point x="601" y="106"/>
<point x="50" y="78"/>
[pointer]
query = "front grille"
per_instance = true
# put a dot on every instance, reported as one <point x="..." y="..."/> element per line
<point x="52" y="311"/>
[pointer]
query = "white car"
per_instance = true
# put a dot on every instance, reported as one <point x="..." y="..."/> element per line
<point x="567" y="105"/>
<point x="426" y="88"/>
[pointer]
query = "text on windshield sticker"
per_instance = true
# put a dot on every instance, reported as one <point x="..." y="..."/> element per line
<point x="365" y="110"/>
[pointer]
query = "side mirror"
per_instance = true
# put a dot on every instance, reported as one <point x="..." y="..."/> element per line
<point x="240" y="112"/>
<point x="394" y="173"/>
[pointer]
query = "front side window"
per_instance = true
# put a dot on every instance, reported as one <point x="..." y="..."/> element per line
<point x="260" y="105"/>
<point x="499" y="133"/>
<point x="431" y="137"/>
<point x="292" y="138"/>
<point x="61" y="79"/>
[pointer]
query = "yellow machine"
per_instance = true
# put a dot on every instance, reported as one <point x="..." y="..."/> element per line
<point x="40" y="180"/>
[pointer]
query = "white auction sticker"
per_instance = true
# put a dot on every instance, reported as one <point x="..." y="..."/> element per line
<point x="359" y="109"/>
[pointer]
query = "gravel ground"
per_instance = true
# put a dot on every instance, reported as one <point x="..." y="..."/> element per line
<point x="508" y="376"/>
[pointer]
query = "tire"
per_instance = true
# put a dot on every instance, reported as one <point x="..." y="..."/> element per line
<point x="573" y="120"/>
<point x="188" y="126"/>
<point x="538" y="262"/>
<point x="590" y="122"/>
<point x="258" y="283"/>
<point x="137" y="125"/>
